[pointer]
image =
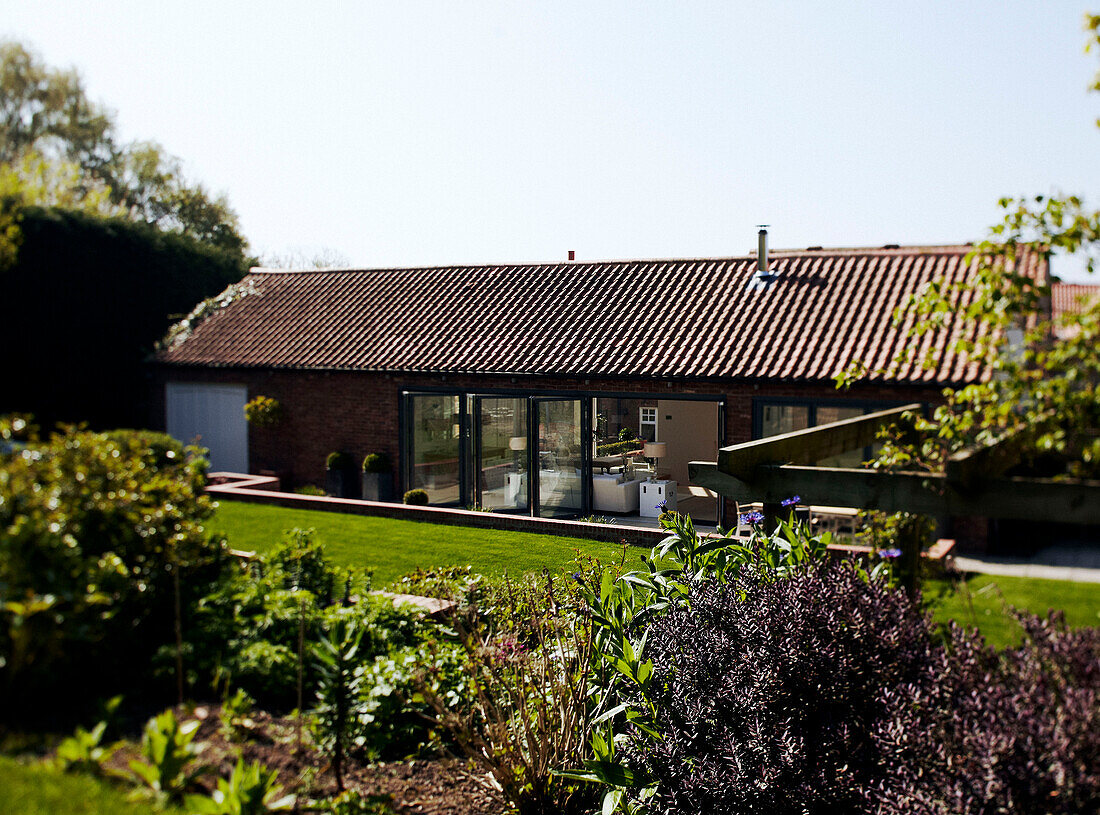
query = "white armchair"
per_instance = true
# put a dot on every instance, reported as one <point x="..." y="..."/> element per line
<point x="609" y="494"/>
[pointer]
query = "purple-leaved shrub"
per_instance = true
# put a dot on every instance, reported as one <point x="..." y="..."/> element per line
<point x="830" y="691"/>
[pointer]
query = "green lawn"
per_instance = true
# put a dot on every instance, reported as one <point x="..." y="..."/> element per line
<point x="394" y="547"/>
<point x="981" y="599"/>
<point x="33" y="789"/>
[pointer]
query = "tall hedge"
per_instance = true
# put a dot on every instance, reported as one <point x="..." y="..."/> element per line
<point x="85" y="303"/>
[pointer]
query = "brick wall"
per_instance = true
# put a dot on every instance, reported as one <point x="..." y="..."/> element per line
<point x="358" y="412"/>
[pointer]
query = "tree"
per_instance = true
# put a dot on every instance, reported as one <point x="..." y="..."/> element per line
<point x="47" y="118"/>
<point x="301" y="258"/>
<point x="90" y="298"/>
<point x="1042" y="388"/>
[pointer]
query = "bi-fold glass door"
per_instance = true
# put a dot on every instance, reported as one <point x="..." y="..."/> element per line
<point x="515" y="454"/>
<point x="563" y="463"/>
<point x="501" y="452"/>
<point x="435" y="444"/>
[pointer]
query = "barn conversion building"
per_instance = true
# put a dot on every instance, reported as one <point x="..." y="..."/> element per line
<point x="496" y="385"/>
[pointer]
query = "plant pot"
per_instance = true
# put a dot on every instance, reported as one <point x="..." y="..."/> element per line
<point x="377" y="487"/>
<point x="339" y="484"/>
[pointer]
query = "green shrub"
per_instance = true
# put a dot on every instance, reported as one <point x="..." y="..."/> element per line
<point x="619" y="448"/>
<point x="250" y="790"/>
<point x="300" y="561"/>
<point x="84" y="751"/>
<point x="626" y="434"/>
<point x="87" y="297"/>
<point x="418" y="498"/>
<point x="309" y="489"/>
<point x="376" y="463"/>
<point x="168" y="752"/>
<point x="97" y="527"/>
<point x="267" y="671"/>
<point x="263" y="411"/>
<point x="391" y="714"/>
<point x="338" y="461"/>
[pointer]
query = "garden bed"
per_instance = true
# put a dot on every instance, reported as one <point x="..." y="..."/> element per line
<point x="436" y="786"/>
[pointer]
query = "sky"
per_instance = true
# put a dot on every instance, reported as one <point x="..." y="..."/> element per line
<point x="413" y="133"/>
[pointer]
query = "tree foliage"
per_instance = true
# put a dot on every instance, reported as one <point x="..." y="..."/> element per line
<point x="1040" y="379"/>
<point x="48" y="121"/>
<point x="90" y="298"/>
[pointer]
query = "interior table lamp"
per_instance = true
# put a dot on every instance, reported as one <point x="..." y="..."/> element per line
<point x="655" y="450"/>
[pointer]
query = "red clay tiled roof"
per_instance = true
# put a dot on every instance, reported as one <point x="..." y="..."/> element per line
<point x="1070" y="298"/>
<point x="700" y="318"/>
<point x="1066" y="298"/>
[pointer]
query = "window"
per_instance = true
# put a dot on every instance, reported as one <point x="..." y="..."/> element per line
<point x="775" y="416"/>
<point x="778" y="419"/>
<point x="647" y="423"/>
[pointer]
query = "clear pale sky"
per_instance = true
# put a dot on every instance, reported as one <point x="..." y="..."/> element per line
<point x="410" y="133"/>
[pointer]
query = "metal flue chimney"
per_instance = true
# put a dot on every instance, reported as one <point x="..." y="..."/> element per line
<point x="762" y="252"/>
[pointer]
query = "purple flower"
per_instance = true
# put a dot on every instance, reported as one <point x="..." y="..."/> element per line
<point x="890" y="553"/>
<point x="790" y="502"/>
<point x="751" y="517"/>
<point x="663" y="506"/>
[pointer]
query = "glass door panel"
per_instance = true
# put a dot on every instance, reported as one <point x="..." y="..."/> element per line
<point x="560" y="459"/>
<point x="436" y="440"/>
<point x="501" y="450"/>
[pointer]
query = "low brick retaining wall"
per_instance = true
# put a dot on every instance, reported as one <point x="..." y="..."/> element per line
<point x="265" y="490"/>
<point x="261" y="489"/>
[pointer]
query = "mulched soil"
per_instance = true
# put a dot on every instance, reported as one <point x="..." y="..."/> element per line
<point x="425" y="786"/>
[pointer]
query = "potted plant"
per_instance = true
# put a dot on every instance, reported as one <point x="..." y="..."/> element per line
<point x="263" y="411"/>
<point x="339" y="480"/>
<point x="377" y="478"/>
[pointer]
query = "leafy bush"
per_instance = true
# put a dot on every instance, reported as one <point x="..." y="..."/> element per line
<point x="626" y="434"/>
<point x="167" y="752"/>
<point x="263" y="411"/>
<point x="376" y="463"/>
<point x="773" y="695"/>
<point x="522" y="710"/>
<point x="267" y="670"/>
<point x="418" y="498"/>
<point x="338" y="461"/>
<point x="1017" y="731"/>
<point x="309" y="489"/>
<point x="88" y="280"/>
<point x="249" y="790"/>
<point x="252" y="627"/>
<point x="299" y="563"/>
<point x="622" y="606"/>
<point x="97" y="529"/>
<point x="392" y="717"/>
<point x="619" y="448"/>
<point x="763" y="678"/>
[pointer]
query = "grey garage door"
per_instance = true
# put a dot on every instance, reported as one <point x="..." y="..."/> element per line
<point x="211" y="416"/>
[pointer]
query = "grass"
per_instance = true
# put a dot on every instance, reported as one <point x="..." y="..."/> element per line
<point x="981" y="599"/>
<point x="394" y="547"/>
<point x="34" y="789"/>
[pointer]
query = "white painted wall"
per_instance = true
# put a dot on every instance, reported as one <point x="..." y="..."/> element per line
<point x="211" y="416"/>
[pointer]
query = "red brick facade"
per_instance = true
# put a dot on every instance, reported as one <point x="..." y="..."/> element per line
<point x="359" y="412"/>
